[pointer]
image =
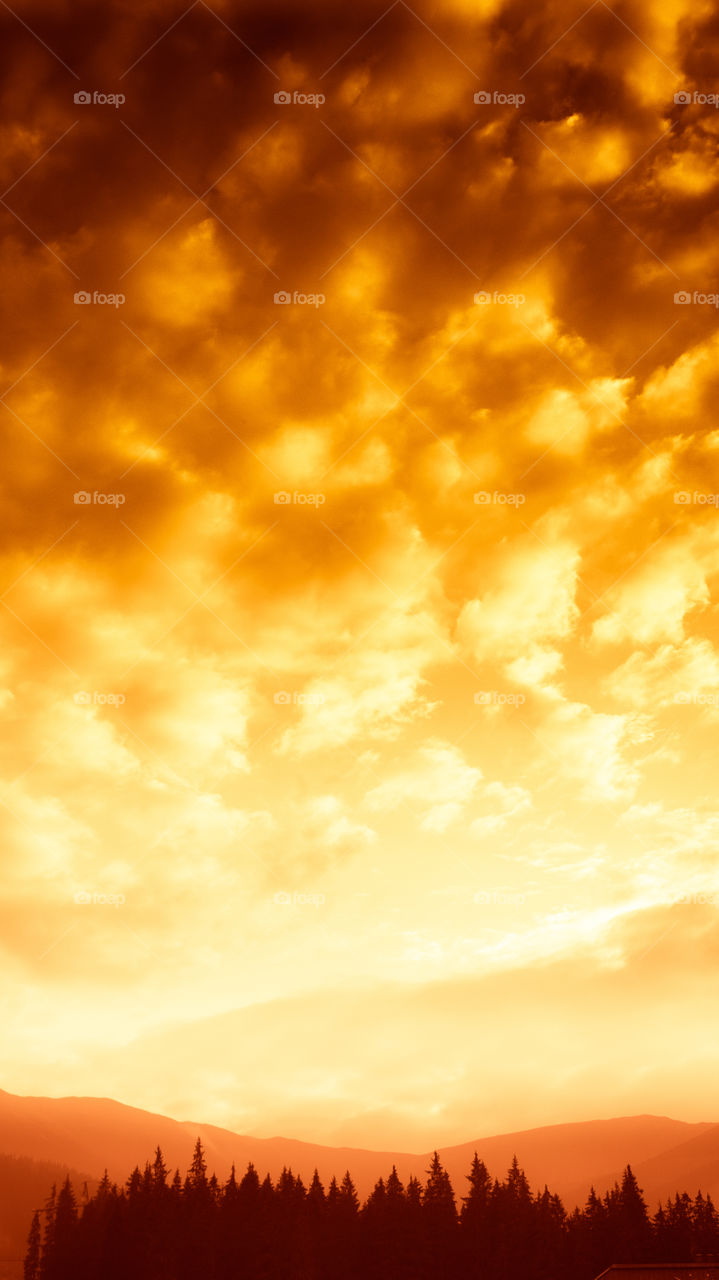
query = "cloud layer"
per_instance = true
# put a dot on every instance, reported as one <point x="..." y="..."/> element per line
<point x="359" y="556"/>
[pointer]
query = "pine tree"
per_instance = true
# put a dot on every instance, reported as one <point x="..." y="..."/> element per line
<point x="679" y="1229"/>
<point x="634" y="1234"/>
<point x="348" y="1197"/>
<point x="476" y="1226"/>
<point x="48" y="1238"/>
<point x="316" y="1224"/>
<point x="705" y="1224"/>
<point x="399" y="1244"/>
<point x="375" y="1232"/>
<point x="475" y="1204"/>
<point x="31" y="1266"/>
<point x="343" y="1229"/>
<point x="548" y="1237"/>
<point x="439" y="1213"/>
<point x="518" y="1189"/>
<point x="65" y="1233"/>
<point x="316" y="1194"/>
<point x="159" y="1172"/>
<point x="198" y="1169"/>
<point x="415" y="1237"/>
<point x="438" y="1198"/>
<point x="395" y="1190"/>
<point x="595" y="1255"/>
<point x="414" y="1196"/>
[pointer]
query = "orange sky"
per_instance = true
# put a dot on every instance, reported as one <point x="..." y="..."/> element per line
<point x="460" y="876"/>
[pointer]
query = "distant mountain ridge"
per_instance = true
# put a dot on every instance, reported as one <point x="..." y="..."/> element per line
<point x="91" y="1133"/>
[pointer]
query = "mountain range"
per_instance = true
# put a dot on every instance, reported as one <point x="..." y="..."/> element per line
<point x="45" y="1137"/>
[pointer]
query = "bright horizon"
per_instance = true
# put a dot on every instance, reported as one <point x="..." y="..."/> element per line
<point x="437" y="1145"/>
<point x="359" y="675"/>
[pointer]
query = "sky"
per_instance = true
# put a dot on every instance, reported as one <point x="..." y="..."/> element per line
<point x="358" y="668"/>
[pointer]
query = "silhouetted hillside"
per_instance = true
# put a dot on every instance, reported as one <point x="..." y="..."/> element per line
<point x="24" y="1187"/>
<point x="90" y="1133"/>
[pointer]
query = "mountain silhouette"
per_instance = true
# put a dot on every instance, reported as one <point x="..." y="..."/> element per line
<point x="91" y="1133"/>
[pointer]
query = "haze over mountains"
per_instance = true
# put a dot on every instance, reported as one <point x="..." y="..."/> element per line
<point x="85" y="1135"/>
<point x="92" y="1133"/>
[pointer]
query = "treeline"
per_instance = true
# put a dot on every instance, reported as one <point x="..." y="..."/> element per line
<point x="159" y="1227"/>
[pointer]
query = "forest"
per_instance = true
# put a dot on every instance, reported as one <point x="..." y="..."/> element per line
<point x="159" y="1226"/>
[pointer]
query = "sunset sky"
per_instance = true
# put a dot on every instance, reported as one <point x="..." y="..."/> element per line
<point x="384" y="813"/>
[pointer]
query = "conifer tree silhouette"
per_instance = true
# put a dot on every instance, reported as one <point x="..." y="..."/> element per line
<point x="31" y="1266"/>
<point x="200" y="1229"/>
